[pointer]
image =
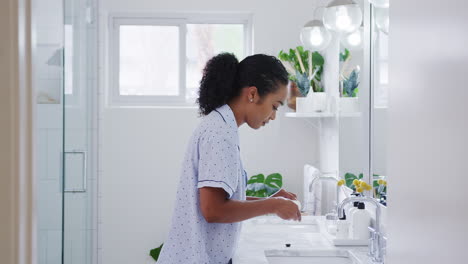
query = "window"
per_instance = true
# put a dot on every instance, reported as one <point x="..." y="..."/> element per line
<point x="158" y="60"/>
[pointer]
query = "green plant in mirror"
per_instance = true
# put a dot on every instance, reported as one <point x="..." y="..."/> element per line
<point x="380" y="186"/>
<point x="259" y="186"/>
<point x="345" y="55"/>
<point x="305" y="68"/>
<point x="351" y="84"/>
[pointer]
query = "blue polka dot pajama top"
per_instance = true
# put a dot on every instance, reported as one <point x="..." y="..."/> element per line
<point x="212" y="159"/>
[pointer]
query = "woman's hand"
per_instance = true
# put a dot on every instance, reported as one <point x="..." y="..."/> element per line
<point x="286" y="209"/>
<point x="285" y="194"/>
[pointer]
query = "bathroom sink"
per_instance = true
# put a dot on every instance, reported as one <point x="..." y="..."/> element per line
<point x="288" y="229"/>
<point x="309" y="257"/>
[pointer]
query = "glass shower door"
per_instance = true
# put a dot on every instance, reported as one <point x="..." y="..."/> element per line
<point x="64" y="67"/>
<point x="78" y="133"/>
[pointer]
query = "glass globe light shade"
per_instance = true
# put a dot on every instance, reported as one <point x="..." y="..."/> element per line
<point x="382" y="19"/>
<point x="353" y="40"/>
<point x="314" y="36"/>
<point x="380" y="3"/>
<point x="342" y="16"/>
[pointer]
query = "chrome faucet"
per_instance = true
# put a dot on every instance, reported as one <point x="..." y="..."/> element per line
<point x="332" y="215"/>
<point x="377" y="245"/>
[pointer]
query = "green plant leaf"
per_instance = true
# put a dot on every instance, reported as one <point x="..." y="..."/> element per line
<point x="360" y="176"/>
<point x="270" y="190"/>
<point x="261" y="193"/>
<point x="376" y="183"/>
<point x="344" y="55"/>
<point x="154" y="253"/>
<point x="317" y="59"/>
<point x="259" y="178"/>
<point x="274" y="180"/>
<point x="302" y="83"/>
<point x="250" y="193"/>
<point x="349" y="178"/>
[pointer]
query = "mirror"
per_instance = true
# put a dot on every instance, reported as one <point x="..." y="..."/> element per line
<point x="363" y="103"/>
<point x="354" y="95"/>
<point x="378" y="109"/>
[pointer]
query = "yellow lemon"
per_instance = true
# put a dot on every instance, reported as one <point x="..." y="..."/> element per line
<point x="359" y="189"/>
<point x="367" y="187"/>
<point x="380" y="182"/>
<point x="341" y="182"/>
<point x="356" y="182"/>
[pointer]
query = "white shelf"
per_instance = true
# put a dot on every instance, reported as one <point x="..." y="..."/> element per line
<point x="320" y="115"/>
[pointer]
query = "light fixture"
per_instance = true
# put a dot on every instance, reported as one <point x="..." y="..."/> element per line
<point x="314" y="36"/>
<point x="353" y="40"/>
<point x="342" y="16"/>
<point x="380" y="3"/>
<point x="382" y="19"/>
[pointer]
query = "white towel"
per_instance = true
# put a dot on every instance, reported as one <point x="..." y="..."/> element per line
<point x="312" y="194"/>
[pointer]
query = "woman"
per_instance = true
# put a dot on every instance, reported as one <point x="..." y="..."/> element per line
<point x="211" y="195"/>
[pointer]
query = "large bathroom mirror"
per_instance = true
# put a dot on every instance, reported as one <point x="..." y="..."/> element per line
<point x="363" y="102"/>
<point x="378" y="110"/>
<point x="353" y="102"/>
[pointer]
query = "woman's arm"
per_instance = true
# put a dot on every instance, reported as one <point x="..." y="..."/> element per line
<point x="216" y="208"/>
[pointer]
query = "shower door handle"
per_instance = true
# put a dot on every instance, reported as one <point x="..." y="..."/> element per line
<point x="81" y="189"/>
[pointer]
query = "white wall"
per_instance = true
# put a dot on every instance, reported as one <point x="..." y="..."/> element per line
<point x="142" y="148"/>
<point x="428" y="130"/>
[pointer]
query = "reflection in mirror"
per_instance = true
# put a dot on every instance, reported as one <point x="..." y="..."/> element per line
<point x="353" y="148"/>
<point x="379" y="84"/>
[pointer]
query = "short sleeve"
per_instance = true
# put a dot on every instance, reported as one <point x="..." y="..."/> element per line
<point x="218" y="163"/>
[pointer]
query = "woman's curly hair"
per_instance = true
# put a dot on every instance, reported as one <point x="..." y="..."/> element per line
<point x="224" y="77"/>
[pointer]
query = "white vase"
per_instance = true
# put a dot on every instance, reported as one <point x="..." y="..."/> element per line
<point x="304" y="104"/>
<point x="319" y="102"/>
<point x="349" y="104"/>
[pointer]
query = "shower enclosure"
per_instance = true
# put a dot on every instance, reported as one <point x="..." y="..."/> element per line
<point x="65" y="78"/>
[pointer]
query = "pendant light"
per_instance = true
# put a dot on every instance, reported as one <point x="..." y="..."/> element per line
<point x="314" y="36"/>
<point x="342" y="16"/>
<point x="353" y="40"/>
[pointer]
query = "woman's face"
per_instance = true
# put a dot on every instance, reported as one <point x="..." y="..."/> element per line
<point x="262" y="110"/>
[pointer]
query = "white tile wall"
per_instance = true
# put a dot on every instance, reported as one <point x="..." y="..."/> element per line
<point x="54" y="245"/>
<point x="42" y="250"/>
<point x="49" y="205"/>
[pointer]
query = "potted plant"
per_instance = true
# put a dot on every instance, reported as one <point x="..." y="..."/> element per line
<point x="305" y="70"/>
<point x="349" y="85"/>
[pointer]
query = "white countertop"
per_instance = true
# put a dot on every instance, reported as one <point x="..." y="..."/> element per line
<point x="272" y="233"/>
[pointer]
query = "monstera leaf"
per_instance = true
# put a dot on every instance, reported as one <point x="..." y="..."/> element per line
<point x="259" y="186"/>
<point x="259" y="178"/>
<point x="274" y="180"/>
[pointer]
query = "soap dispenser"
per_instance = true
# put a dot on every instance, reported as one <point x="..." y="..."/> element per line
<point x="360" y="222"/>
<point x="352" y="209"/>
<point x="342" y="228"/>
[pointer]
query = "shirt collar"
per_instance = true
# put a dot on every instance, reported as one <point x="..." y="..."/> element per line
<point x="228" y="116"/>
